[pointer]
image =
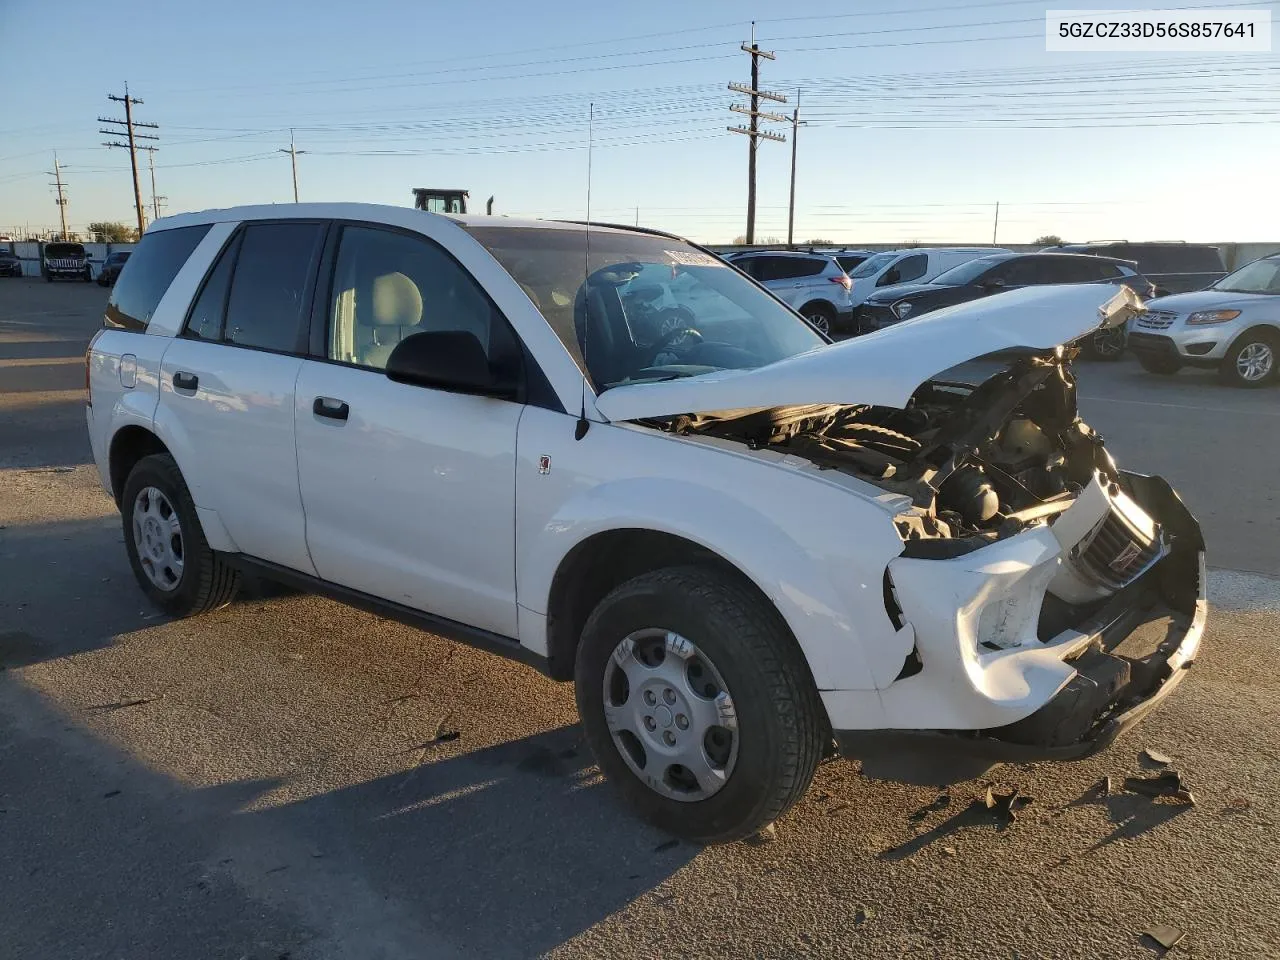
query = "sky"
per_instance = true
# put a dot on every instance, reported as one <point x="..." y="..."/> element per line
<point x="919" y="115"/>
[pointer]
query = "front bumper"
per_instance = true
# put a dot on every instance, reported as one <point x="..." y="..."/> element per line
<point x="1195" y="347"/>
<point x="1128" y="656"/>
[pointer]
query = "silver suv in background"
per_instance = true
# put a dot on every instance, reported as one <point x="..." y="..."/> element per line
<point x="814" y="284"/>
<point x="1234" y="326"/>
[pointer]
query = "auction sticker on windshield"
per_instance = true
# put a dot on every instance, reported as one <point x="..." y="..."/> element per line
<point x="693" y="258"/>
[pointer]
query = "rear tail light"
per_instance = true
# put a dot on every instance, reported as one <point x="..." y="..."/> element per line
<point x="844" y="281"/>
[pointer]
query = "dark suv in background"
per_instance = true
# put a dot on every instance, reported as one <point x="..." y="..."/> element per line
<point x="10" y="264"/>
<point x="1172" y="267"/>
<point x="999" y="272"/>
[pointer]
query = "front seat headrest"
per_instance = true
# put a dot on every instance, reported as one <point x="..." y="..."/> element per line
<point x="397" y="302"/>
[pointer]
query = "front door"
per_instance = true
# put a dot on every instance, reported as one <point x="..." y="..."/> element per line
<point x="409" y="492"/>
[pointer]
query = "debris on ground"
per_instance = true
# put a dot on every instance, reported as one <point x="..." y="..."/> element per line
<point x="1165" y="935"/>
<point x="1104" y="788"/>
<point x="949" y="851"/>
<point x="1003" y="806"/>
<point x="861" y="914"/>
<point x="1168" y="784"/>
<point x="1155" y="756"/>
<point x="766" y="834"/>
<point x="940" y="802"/>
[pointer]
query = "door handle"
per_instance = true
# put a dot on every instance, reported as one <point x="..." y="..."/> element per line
<point x="185" y="381"/>
<point x="331" y="408"/>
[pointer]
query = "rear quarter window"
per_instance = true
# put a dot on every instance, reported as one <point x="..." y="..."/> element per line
<point x="147" y="275"/>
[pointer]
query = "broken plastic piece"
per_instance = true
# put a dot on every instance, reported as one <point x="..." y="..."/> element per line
<point x="1004" y="805"/>
<point x="1155" y="756"/>
<point x="1167" y="784"/>
<point x="1165" y="935"/>
<point x="1104" y="788"/>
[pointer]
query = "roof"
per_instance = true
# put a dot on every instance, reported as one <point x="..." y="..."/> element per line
<point x="372" y="212"/>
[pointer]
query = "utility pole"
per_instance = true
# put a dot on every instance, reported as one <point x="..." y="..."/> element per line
<point x="293" y="157"/>
<point x="151" y="164"/>
<point x="62" y="199"/>
<point x="995" y="227"/>
<point x="753" y="131"/>
<point x="132" y="146"/>
<point x="795" y="136"/>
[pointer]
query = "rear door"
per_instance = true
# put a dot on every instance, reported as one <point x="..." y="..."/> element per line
<point x="227" y="385"/>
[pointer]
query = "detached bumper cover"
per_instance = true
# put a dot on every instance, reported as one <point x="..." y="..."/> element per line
<point x="1133" y="652"/>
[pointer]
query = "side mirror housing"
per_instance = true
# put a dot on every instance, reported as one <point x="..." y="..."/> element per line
<point x="992" y="285"/>
<point x="451" y="360"/>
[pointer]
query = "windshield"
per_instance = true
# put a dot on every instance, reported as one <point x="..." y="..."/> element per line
<point x="651" y="308"/>
<point x="873" y="265"/>
<point x="1261" y="276"/>
<point x="966" y="273"/>
<point x="63" y="250"/>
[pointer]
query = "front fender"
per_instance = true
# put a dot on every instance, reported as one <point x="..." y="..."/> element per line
<point x="816" y="551"/>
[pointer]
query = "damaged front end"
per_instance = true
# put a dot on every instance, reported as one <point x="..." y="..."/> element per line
<point x="1046" y="598"/>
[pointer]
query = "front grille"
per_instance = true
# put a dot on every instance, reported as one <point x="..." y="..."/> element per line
<point x="1155" y="320"/>
<point x="1116" y="554"/>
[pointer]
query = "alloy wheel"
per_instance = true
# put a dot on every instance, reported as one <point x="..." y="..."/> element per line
<point x="1255" y="361"/>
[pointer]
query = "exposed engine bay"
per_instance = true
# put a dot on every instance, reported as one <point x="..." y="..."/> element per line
<point x="979" y="463"/>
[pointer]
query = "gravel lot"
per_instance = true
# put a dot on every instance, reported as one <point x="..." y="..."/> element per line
<point x="270" y="781"/>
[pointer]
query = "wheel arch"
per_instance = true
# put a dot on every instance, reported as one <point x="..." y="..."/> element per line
<point x="821" y="306"/>
<point x="1271" y="330"/>
<point x="130" y="444"/>
<point x="609" y="558"/>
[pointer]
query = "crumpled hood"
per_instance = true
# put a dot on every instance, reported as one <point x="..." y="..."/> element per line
<point x="887" y="367"/>
<point x="1202" y="300"/>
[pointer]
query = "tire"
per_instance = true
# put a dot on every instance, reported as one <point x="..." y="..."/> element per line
<point x="200" y="580"/>
<point x="49" y="277"/>
<point x="779" y="727"/>
<point x="1104" y="345"/>
<point x="88" y="276"/>
<point x="821" y="316"/>
<point x="1252" y="360"/>
<point x="1164" y="366"/>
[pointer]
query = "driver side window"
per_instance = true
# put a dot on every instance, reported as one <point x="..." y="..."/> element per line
<point x="388" y="286"/>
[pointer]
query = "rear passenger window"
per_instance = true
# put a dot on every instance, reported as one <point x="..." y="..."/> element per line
<point x="270" y="285"/>
<point x="205" y="320"/>
<point x="143" y="282"/>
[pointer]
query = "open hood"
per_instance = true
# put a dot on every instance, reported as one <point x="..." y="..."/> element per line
<point x="887" y="367"/>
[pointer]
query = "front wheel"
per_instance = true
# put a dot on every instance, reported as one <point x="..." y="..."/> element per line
<point x="1157" y="364"/>
<point x="168" y="552"/>
<point x="1251" y="361"/>
<point x="698" y="704"/>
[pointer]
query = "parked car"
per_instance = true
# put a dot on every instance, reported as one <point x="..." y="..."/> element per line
<point x="812" y="283"/>
<point x="918" y="265"/>
<point x="10" y="264"/>
<point x="1172" y="267"/>
<point x="741" y="543"/>
<point x="68" y="261"/>
<point x="995" y="274"/>
<point x="111" y="267"/>
<point x="1234" y="326"/>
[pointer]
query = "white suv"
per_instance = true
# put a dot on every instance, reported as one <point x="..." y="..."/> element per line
<point x="814" y="284"/>
<point x="745" y="546"/>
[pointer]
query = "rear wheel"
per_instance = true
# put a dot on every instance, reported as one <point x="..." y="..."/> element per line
<point x="1157" y="364"/>
<point x="1251" y="361"/>
<point x="698" y="704"/>
<point x="820" y="315"/>
<point x="168" y="552"/>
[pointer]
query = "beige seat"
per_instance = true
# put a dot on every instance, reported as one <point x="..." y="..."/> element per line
<point x="397" y="313"/>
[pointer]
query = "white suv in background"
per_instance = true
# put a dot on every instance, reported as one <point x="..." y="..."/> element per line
<point x="743" y="544"/>
<point x="915" y="265"/>
<point x="814" y="284"/>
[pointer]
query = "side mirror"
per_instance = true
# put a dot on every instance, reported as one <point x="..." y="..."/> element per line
<point x="993" y="285"/>
<point x="448" y="360"/>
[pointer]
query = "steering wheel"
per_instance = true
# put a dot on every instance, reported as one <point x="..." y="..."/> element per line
<point x="671" y="336"/>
